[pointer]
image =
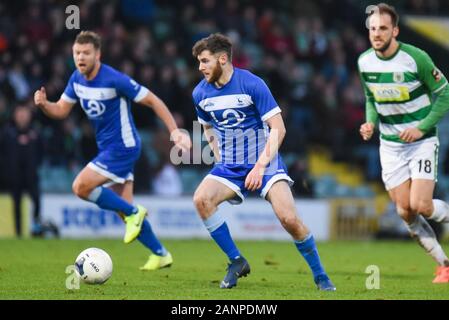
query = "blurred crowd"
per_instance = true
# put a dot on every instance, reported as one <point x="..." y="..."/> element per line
<point x="305" y="50"/>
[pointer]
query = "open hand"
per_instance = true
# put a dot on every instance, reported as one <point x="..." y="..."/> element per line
<point x="254" y="178"/>
<point x="411" y="135"/>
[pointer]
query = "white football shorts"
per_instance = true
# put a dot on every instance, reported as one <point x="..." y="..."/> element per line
<point x="416" y="160"/>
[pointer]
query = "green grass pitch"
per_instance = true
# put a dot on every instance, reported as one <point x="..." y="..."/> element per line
<point x="35" y="269"/>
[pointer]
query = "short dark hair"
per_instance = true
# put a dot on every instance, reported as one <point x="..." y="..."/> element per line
<point x="89" y="37"/>
<point x="383" y="8"/>
<point x="215" y="43"/>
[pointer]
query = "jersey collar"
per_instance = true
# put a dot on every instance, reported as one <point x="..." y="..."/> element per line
<point x="393" y="55"/>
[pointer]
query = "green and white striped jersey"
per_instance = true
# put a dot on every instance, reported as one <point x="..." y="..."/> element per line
<point x="400" y="89"/>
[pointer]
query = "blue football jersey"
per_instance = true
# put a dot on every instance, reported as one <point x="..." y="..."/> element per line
<point x="106" y="100"/>
<point x="237" y="112"/>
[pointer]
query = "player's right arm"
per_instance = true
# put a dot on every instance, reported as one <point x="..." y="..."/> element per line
<point x="371" y="115"/>
<point x="205" y="120"/>
<point x="212" y="140"/>
<point x="55" y="110"/>
<point x="367" y="130"/>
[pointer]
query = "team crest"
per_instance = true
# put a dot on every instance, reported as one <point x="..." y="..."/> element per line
<point x="398" y="77"/>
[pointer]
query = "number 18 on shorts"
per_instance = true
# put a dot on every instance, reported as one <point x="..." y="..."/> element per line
<point x="401" y="162"/>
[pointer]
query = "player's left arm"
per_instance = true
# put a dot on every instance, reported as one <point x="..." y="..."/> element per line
<point x="274" y="142"/>
<point x="276" y="137"/>
<point x="212" y="140"/>
<point x="271" y="115"/>
<point x="178" y="136"/>
<point x="139" y="94"/>
<point x="437" y="84"/>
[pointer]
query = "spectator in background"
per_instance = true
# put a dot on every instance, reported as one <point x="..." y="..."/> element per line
<point x="167" y="181"/>
<point x="4" y="111"/>
<point x="22" y="150"/>
<point x="299" y="172"/>
<point x="4" y="116"/>
<point x="88" y="144"/>
<point x="18" y="81"/>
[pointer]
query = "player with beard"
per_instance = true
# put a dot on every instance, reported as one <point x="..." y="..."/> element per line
<point x="399" y="81"/>
<point x="105" y="95"/>
<point x="244" y="127"/>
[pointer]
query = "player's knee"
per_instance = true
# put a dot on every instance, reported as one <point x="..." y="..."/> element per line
<point x="289" y="222"/>
<point x="80" y="189"/>
<point x="404" y="211"/>
<point x="424" y="207"/>
<point x="202" y="203"/>
<point x="294" y="227"/>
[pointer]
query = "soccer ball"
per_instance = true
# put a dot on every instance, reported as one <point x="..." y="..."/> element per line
<point x="93" y="266"/>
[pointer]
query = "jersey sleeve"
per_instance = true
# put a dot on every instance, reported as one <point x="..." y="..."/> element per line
<point x="371" y="114"/>
<point x="429" y="74"/>
<point x="203" y="116"/>
<point x="439" y="109"/>
<point x="128" y="87"/>
<point x="263" y="100"/>
<point x="69" y="94"/>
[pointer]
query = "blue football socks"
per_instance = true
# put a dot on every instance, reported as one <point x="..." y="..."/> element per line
<point x="149" y="240"/>
<point x="307" y="248"/>
<point x="219" y="231"/>
<point x="109" y="200"/>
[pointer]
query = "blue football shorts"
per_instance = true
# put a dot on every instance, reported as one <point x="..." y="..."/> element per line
<point x="117" y="165"/>
<point x="233" y="176"/>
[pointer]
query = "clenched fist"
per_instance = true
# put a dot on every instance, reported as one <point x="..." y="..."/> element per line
<point x="40" y="97"/>
<point x="367" y="130"/>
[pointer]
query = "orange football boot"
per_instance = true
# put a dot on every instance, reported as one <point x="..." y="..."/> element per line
<point x="442" y="275"/>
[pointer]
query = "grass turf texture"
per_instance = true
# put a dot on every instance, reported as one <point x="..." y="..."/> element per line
<point x="35" y="269"/>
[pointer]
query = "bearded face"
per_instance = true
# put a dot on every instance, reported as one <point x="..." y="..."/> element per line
<point x="85" y="57"/>
<point x="381" y="32"/>
<point x="209" y="66"/>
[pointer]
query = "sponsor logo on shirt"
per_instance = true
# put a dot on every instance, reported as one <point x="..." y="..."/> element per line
<point x="231" y="118"/>
<point x="391" y="93"/>
<point x="93" y="108"/>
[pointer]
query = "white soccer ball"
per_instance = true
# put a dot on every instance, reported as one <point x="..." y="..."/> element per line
<point x="93" y="266"/>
